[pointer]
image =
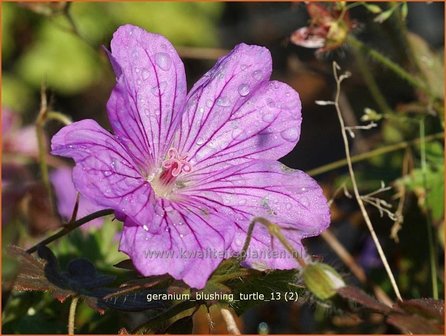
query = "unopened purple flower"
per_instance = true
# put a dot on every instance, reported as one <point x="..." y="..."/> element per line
<point x="66" y="194"/>
<point x="188" y="172"/>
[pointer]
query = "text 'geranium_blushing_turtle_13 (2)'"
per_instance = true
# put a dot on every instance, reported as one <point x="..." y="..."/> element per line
<point x="187" y="172"/>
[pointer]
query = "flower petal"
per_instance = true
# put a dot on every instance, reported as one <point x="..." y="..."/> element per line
<point x="265" y="188"/>
<point x="147" y="101"/>
<point x="66" y="194"/>
<point x="234" y="114"/>
<point x="182" y="240"/>
<point x="104" y="172"/>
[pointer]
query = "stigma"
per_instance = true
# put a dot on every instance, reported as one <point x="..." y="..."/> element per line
<point x="171" y="169"/>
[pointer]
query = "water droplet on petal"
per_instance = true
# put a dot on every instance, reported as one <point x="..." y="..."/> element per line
<point x="223" y="101"/>
<point x="243" y="67"/>
<point x="236" y="133"/>
<point x="163" y="61"/>
<point x="158" y="91"/>
<point x="137" y="70"/>
<point x="145" y="74"/>
<point x="242" y="201"/>
<point x="209" y="103"/>
<point x="268" y="116"/>
<point x="200" y="141"/>
<point x="288" y="206"/>
<point x="145" y="227"/>
<point x="243" y="90"/>
<point x="291" y="134"/>
<point x="271" y="103"/>
<point x="304" y="201"/>
<point x="257" y="75"/>
<point x="107" y="173"/>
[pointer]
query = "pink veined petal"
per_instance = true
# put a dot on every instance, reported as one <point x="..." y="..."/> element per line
<point x="104" y="173"/>
<point x="234" y="113"/>
<point x="265" y="188"/>
<point x="147" y="101"/>
<point x="183" y="240"/>
<point x="66" y="194"/>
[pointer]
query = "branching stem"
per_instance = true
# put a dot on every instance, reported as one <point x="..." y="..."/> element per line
<point x="339" y="80"/>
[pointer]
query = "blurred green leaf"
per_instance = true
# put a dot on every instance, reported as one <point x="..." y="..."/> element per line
<point x="60" y="59"/>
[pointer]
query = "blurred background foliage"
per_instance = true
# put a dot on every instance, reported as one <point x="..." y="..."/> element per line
<point x="59" y="44"/>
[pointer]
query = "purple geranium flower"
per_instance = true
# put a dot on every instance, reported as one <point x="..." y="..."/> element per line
<point x="187" y="173"/>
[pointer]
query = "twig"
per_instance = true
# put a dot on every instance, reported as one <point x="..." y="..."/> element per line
<point x="339" y="80"/>
<point x="396" y="227"/>
<point x="231" y="325"/>
<point x="70" y="227"/>
<point x="72" y="315"/>
<point x="368" y="155"/>
<point x="41" y="143"/>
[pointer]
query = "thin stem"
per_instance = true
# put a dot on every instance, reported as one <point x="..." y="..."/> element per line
<point x="70" y="227"/>
<point x="430" y="236"/>
<point x="231" y="325"/>
<point x="339" y="79"/>
<point x="368" y="155"/>
<point x="402" y="73"/>
<point x="62" y="118"/>
<point x="72" y="315"/>
<point x="275" y="231"/>
<point x="41" y="143"/>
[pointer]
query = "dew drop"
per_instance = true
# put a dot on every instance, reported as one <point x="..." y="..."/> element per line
<point x="145" y="74"/>
<point x="243" y="90"/>
<point x="181" y="235"/>
<point x="242" y="201"/>
<point x="200" y="141"/>
<point x="236" y="133"/>
<point x="291" y="134"/>
<point x="137" y="70"/>
<point x="145" y="227"/>
<point x="270" y="102"/>
<point x="257" y="75"/>
<point x="288" y="206"/>
<point x="163" y="61"/>
<point x="268" y="116"/>
<point x="107" y="173"/>
<point x="158" y="91"/>
<point x="304" y="201"/>
<point x="209" y="103"/>
<point x="223" y="101"/>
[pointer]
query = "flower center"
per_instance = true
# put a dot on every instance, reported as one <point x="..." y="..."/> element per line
<point x="174" y="165"/>
<point x="171" y="168"/>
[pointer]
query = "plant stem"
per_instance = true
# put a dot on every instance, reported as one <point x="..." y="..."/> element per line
<point x="370" y="154"/>
<point x="430" y="236"/>
<point x="339" y="79"/>
<point x="72" y="315"/>
<point x="402" y="73"/>
<point x="275" y="231"/>
<point x="62" y="118"/>
<point x="41" y="143"/>
<point x="231" y="325"/>
<point x="70" y="227"/>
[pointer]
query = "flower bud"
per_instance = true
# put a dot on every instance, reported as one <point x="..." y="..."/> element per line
<point x="322" y="280"/>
